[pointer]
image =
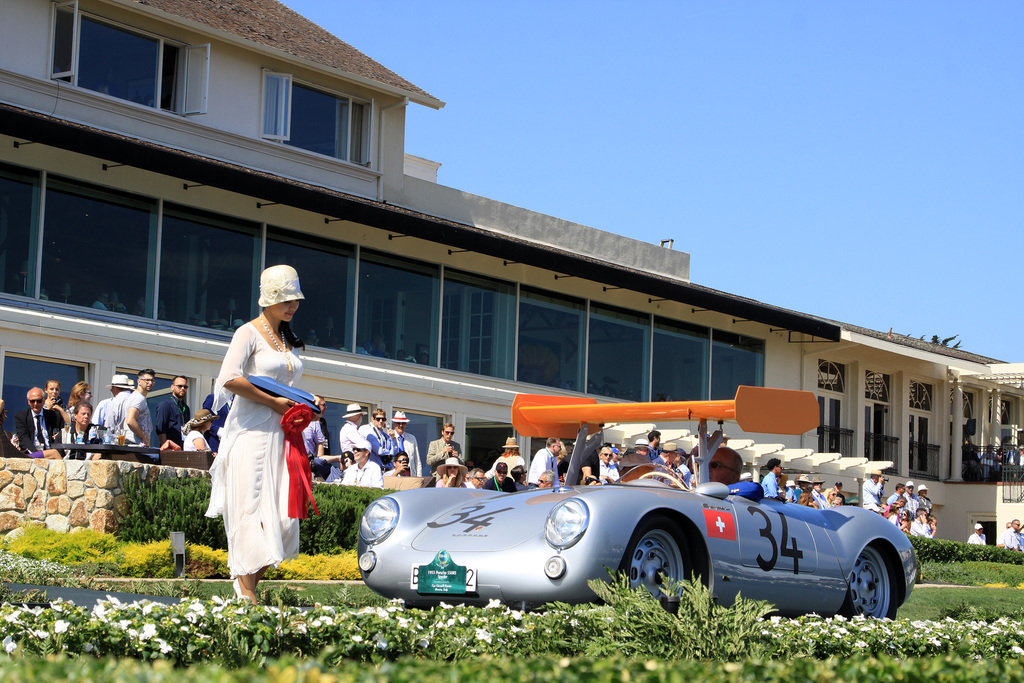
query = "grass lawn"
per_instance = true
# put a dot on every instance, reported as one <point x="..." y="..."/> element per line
<point x="936" y="603"/>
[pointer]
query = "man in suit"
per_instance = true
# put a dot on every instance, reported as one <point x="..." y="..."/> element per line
<point x="37" y="428"/>
<point x="443" y="448"/>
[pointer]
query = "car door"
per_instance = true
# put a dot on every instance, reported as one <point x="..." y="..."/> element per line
<point x="779" y="553"/>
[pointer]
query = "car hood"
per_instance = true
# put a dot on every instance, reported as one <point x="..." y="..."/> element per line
<point x="488" y="523"/>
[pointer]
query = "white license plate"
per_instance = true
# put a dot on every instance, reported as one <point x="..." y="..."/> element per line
<point x="470" y="578"/>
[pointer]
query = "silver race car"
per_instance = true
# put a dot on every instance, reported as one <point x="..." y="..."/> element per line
<point x="529" y="548"/>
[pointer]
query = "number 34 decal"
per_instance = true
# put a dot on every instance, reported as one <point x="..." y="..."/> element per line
<point x="785" y="546"/>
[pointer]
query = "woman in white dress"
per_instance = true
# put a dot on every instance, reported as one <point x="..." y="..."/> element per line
<point x="195" y="428"/>
<point x="250" y="474"/>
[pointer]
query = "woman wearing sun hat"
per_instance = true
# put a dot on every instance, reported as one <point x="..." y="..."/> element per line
<point x="510" y="456"/>
<point x="451" y="474"/>
<point x="250" y="476"/>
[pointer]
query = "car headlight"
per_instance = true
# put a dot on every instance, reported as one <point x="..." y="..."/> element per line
<point x="379" y="519"/>
<point x="566" y="523"/>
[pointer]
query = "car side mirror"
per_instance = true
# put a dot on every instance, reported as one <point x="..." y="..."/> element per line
<point x="713" y="489"/>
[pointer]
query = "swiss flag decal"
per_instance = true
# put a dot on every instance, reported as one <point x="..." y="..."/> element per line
<point x="720" y="525"/>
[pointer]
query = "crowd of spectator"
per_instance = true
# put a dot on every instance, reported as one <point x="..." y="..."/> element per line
<point x="50" y="429"/>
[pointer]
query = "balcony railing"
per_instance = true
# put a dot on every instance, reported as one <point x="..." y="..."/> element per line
<point x="924" y="460"/>
<point x="1013" y="483"/>
<point x="882" y="447"/>
<point x="835" y="440"/>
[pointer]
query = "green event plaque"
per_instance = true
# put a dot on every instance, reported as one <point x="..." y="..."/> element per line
<point x="441" y="576"/>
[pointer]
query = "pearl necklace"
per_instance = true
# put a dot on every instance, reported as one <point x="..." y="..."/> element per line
<point x="273" y="338"/>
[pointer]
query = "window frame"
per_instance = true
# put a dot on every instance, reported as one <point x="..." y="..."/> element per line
<point x="286" y="86"/>
<point x="182" y="69"/>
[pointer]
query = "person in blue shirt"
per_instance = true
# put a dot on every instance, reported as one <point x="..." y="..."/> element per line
<point x="900" y="488"/>
<point x="770" y="482"/>
<point x="792" y="495"/>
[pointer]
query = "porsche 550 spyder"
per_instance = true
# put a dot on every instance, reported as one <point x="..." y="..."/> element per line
<point x="529" y="548"/>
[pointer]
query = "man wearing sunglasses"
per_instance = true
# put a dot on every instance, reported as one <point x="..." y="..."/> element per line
<point x="443" y="448"/>
<point x="37" y="426"/>
<point x="382" y="446"/>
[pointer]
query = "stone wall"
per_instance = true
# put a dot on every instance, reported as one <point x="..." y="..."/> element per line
<point x="73" y="494"/>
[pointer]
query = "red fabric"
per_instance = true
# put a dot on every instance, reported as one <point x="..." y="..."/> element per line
<point x="300" y="478"/>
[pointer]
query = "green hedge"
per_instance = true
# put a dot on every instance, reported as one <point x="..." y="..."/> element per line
<point x="539" y="669"/>
<point x="156" y="508"/>
<point x="936" y="550"/>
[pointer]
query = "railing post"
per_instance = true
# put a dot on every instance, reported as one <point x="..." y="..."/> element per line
<point x="178" y="551"/>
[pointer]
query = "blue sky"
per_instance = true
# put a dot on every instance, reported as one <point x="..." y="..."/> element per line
<point x="859" y="161"/>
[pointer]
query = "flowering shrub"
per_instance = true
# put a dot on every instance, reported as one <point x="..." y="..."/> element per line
<point x="233" y="633"/>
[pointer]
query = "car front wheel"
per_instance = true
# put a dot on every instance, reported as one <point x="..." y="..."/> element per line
<point x="872" y="591"/>
<point x="654" y="555"/>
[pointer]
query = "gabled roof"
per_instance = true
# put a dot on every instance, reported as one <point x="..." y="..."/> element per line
<point x="271" y="24"/>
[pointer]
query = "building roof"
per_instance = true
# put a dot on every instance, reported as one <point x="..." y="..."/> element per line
<point x="921" y="344"/>
<point x="269" y="23"/>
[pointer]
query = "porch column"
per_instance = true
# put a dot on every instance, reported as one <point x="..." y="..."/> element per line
<point x="956" y="454"/>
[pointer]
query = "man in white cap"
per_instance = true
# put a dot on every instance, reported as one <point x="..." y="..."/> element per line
<point x="364" y="472"/>
<point x="873" y="492"/>
<point x="118" y="384"/>
<point x="349" y="435"/>
<point x="407" y="442"/>
<point x="792" y="495"/>
<point x="978" y="537"/>
<point x="912" y="500"/>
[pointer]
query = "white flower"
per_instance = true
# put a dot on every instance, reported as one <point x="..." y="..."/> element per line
<point x="357" y="639"/>
<point x="9" y="645"/>
<point x="483" y="635"/>
<point x="148" y="631"/>
<point x="60" y="626"/>
<point x="423" y="643"/>
<point x="89" y="647"/>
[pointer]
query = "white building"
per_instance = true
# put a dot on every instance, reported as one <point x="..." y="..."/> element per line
<point x="156" y="154"/>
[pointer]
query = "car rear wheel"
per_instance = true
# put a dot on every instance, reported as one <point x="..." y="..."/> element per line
<point x="872" y="591"/>
<point x="654" y="555"/>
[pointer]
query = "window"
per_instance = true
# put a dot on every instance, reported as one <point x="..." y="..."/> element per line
<point x="920" y="396"/>
<point x="208" y="269"/>
<point x="680" y="361"/>
<point x="618" y="359"/>
<point x="551" y="340"/>
<point x="831" y="376"/>
<point x="477" y="326"/>
<point x="876" y="386"/>
<point x="19" y="218"/>
<point x="130" y="65"/>
<point x="23" y="373"/>
<point x="398" y="308"/>
<point x="98" y="248"/>
<point x="735" y="360"/>
<point x="298" y="115"/>
<point x="327" y="271"/>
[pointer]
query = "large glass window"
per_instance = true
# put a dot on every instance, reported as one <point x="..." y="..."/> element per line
<point x="680" y="361"/>
<point x="333" y="125"/>
<point x="327" y="273"/>
<point x="551" y="340"/>
<point x="478" y="319"/>
<point x="398" y="308"/>
<point x="19" y="202"/>
<point x="97" y="248"/>
<point x="619" y="354"/>
<point x="21" y="374"/>
<point x="208" y="269"/>
<point x="735" y="360"/>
